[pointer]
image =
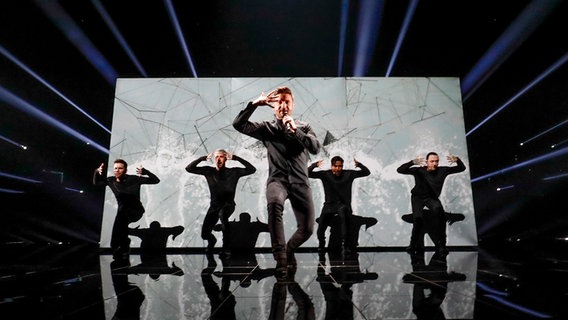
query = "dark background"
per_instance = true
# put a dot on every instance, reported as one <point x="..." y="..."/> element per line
<point x="38" y="186"/>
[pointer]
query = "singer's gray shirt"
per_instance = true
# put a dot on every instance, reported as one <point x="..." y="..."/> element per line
<point x="287" y="152"/>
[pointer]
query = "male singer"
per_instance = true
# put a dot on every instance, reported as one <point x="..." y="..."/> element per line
<point x="287" y="142"/>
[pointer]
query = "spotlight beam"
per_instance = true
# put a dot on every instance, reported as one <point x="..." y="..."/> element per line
<point x="523" y="26"/>
<point x="19" y="145"/>
<point x="370" y="13"/>
<point x="179" y="33"/>
<point x="538" y="159"/>
<point x="559" y="143"/>
<point x="17" y="62"/>
<point x="544" y="132"/>
<point x="505" y="187"/>
<point x="72" y="31"/>
<point x="114" y="29"/>
<point x="27" y="108"/>
<point x="4" y="190"/>
<point x="515" y="306"/>
<point x="402" y="34"/>
<point x="543" y="75"/>
<point x="11" y="176"/>
<point x="342" y="35"/>
<point x="558" y="176"/>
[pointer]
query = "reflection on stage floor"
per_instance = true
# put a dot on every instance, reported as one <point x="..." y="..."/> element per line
<point x="83" y="283"/>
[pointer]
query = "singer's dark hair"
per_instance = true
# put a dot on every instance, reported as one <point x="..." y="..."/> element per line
<point x="123" y="162"/>
<point x="284" y="90"/>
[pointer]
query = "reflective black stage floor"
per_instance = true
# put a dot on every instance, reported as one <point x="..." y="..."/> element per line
<point x="66" y="282"/>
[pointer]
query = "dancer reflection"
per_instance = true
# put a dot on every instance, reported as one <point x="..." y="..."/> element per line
<point x="430" y="284"/>
<point x="337" y="184"/>
<point x="129" y="296"/>
<point x="222" y="182"/>
<point x="153" y="250"/>
<point x="221" y="299"/>
<point x="346" y="273"/>
<point x="243" y="270"/>
<point x="126" y="189"/>
<point x="242" y="266"/>
<point x="429" y="180"/>
<point x="287" y="142"/>
<point x="278" y="301"/>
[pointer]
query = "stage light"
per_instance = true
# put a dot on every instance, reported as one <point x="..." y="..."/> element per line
<point x="112" y="26"/>
<point x="19" y="104"/>
<point x="13" y="142"/>
<point x="491" y="290"/>
<point x="11" y="176"/>
<point x="545" y="132"/>
<point x="559" y="176"/>
<point x="505" y="188"/>
<point x="3" y="190"/>
<point x="74" y="190"/>
<point x="541" y="158"/>
<point x="370" y="12"/>
<point x="549" y="70"/>
<point x="72" y="31"/>
<point x="342" y="35"/>
<point x="402" y="34"/>
<point x="17" y="62"/>
<point x="558" y="144"/>
<point x="179" y="33"/>
<point x="523" y="26"/>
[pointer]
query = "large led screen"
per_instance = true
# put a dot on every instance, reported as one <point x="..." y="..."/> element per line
<point x="164" y="124"/>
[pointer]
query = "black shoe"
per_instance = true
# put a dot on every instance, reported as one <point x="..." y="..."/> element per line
<point x="412" y="249"/>
<point x="442" y="250"/>
<point x="121" y="253"/>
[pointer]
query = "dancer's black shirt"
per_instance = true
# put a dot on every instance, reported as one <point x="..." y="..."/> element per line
<point x="337" y="189"/>
<point x="127" y="190"/>
<point x="429" y="183"/>
<point x="222" y="183"/>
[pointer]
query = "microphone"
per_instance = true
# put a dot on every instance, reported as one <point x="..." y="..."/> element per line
<point x="288" y="128"/>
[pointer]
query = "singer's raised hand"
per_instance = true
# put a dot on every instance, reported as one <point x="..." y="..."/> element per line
<point x="266" y="99"/>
